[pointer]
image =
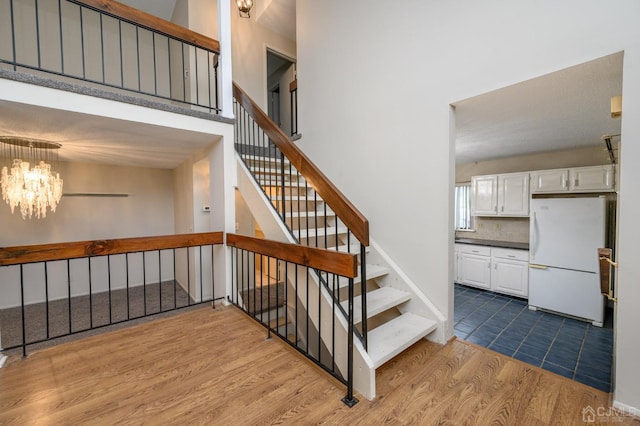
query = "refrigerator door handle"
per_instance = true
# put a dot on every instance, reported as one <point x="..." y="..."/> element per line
<point x="534" y="266"/>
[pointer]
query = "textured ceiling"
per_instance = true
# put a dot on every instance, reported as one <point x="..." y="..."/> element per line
<point x="563" y="110"/>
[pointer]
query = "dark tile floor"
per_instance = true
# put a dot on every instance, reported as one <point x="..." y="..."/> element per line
<point x="571" y="348"/>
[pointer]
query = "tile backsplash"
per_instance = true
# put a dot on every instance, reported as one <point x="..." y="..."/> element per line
<point x="515" y="229"/>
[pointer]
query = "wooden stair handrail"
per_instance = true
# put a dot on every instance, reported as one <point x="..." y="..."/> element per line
<point x="334" y="262"/>
<point x="151" y="22"/>
<point x="346" y="211"/>
<point x="77" y="249"/>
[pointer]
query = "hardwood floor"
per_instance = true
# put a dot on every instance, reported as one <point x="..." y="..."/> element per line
<point x="215" y="367"/>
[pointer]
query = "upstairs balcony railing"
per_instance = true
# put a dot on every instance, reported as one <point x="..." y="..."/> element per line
<point x="61" y="289"/>
<point x="106" y="44"/>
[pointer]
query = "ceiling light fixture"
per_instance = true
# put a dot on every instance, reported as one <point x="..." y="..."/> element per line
<point x="244" y="8"/>
<point x="33" y="189"/>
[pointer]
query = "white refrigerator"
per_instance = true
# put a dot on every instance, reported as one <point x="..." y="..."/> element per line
<point x="564" y="237"/>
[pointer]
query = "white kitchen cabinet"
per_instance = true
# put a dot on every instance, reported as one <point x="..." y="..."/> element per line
<point x="513" y="194"/>
<point x="484" y="195"/>
<point x="574" y="180"/>
<point x="500" y="195"/>
<point x="493" y="268"/>
<point x="549" y="181"/>
<point x="474" y="266"/>
<point x="592" y="179"/>
<point x="510" y="271"/>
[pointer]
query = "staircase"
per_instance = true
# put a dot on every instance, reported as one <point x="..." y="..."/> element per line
<point x="397" y="314"/>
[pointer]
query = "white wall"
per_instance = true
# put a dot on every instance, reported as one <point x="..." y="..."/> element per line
<point x="249" y="50"/>
<point x="146" y="210"/>
<point x="386" y="141"/>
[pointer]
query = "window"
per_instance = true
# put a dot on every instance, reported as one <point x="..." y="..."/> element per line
<point x="463" y="218"/>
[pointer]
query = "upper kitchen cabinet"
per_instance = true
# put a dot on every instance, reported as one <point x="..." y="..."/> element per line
<point x="484" y="195"/>
<point x="500" y="195"/>
<point x="577" y="179"/>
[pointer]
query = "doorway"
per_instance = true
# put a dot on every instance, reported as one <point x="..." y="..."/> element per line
<point x="281" y="72"/>
<point x="519" y="129"/>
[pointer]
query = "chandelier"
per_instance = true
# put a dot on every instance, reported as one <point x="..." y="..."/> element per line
<point x="33" y="189"/>
<point x="244" y="8"/>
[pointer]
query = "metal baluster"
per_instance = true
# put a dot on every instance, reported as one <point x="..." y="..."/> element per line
<point x="175" y="293"/>
<point x="213" y="279"/>
<point x="69" y="293"/>
<point x="363" y="290"/>
<point x="46" y="294"/>
<point x="284" y="212"/>
<point x="268" y="295"/>
<point x="138" y="59"/>
<point x="61" y="37"/>
<point x="155" y="67"/>
<point x="296" y="303"/>
<point x="37" y="34"/>
<point x="121" y="60"/>
<point x="127" y="277"/>
<point x="13" y="40"/>
<point x="169" y="67"/>
<point x="159" y="282"/>
<point x="315" y="214"/>
<point x="144" y="281"/>
<point x="90" y="295"/>
<point x="109" y="284"/>
<point x="84" y="71"/>
<point x="195" y="59"/>
<point x="201" y="275"/>
<point x="102" y="47"/>
<point x="24" y="328"/>
<point x="184" y="75"/>
<point x="188" y="277"/>
<point x="349" y="399"/>
<point x="215" y="73"/>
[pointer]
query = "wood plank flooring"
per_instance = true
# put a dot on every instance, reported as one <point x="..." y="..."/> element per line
<point x="215" y="367"/>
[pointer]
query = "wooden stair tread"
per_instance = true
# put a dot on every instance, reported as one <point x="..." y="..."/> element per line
<point x="393" y="337"/>
<point x="378" y="300"/>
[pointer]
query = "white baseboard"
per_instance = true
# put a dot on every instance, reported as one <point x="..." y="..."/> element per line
<point x="633" y="411"/>
<point x="3" y="358"/>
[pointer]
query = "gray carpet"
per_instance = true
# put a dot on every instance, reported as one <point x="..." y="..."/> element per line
<point x="159" y="300"/>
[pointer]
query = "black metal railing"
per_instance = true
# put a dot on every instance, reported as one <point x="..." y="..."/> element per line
<point x="103" y="46"/>
<point x="270" y="283"/>
<point x="65" y="289"/>
<point x="293" y="94"/>
<point x="305" y="213"/>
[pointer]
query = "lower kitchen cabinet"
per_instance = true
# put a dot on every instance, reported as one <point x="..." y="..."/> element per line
<point x="474" y="270"/>
<point x="493" y="268"/>
<point x="511" y="277"/>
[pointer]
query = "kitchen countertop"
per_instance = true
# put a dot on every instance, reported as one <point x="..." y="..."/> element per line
<point x="492" y="243"/>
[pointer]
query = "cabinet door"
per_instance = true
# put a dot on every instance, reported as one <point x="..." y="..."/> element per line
<point x="474" y="270"/>
<point x="592" y="179"/>
<point x="511" y="277"/>
<point x="513" y="194"/>
<point x="550" y="181"/>
<point x="484" y="195"/>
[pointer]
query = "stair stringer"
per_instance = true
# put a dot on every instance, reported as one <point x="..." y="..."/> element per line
<point x="273" y="228"/>
<point x="419" y="303"/>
